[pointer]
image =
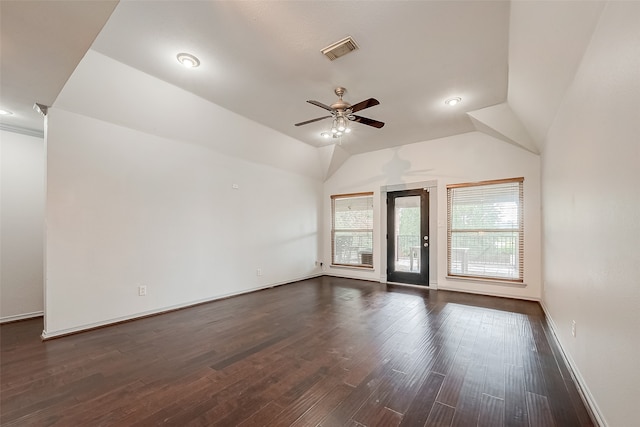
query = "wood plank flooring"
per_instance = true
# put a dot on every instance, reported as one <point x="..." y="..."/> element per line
<point x="321" y="352"/>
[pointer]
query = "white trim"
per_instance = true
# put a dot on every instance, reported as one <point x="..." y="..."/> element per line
<point x="23" y="316"/>
<point x="349" y="276"/>
<point x="24" y="131"/>
<point x="492" y="281"/>
<point x="432" y="188"/>
<point x="45" y="224"/>
<point x="48" y="335"/>
<point x="489" y="294"/>
<point x="583" y="389"/>
<point x="352" y="267"/>
<point x="409" y="186"/>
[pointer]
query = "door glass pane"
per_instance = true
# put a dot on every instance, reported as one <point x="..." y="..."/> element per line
<point x="407" y="232"/>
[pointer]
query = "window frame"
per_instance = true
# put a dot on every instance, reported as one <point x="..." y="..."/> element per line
<point x="519" y="229"/>
<point x="334" y="230"/>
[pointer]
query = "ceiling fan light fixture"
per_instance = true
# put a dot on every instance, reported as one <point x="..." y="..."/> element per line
<point x="188" y="60"/>
<point x="339" y="126"/>
<point x="453" y="101"/>
<point x="342" y="113"/>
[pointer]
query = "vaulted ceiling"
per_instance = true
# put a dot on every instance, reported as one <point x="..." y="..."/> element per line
<point x="510" y="62"/>
<point x="41" y="43"/>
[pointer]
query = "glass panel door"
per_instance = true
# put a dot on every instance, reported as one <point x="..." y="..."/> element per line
<point x="408" y="237"/>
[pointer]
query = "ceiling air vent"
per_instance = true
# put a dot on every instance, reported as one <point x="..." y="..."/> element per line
<point x="340" y="48"/>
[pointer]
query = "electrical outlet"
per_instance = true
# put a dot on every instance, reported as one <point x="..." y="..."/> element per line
<point x="573" y="328"/>
<point x="142" y="291"/>
<point x="258" y="272"/>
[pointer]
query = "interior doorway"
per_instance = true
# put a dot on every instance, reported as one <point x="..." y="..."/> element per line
<point x="408" y="237"/>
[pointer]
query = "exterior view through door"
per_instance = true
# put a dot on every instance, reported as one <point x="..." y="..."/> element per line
<point x="408" y="237"/>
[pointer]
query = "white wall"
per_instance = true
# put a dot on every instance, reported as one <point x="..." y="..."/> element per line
<point x="463" y="158"/>
<point x="140" y="178"/>
<point x="126" y="208"/>
<point x="591" y="203"/>
<point x="22" y="226"/>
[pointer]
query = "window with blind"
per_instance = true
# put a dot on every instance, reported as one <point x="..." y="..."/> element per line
<point x="485" y="230"/>
<point x="352" y="230"/>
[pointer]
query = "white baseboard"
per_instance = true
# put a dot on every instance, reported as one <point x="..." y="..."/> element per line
<point x="346" y="274"/>
<point x="490" y="294"/>
<point x="23" y="316"/>
<point x="583" y="389"/>
<point x="81" y="328"/>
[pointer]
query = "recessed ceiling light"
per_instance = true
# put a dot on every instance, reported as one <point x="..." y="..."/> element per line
<point x="188" y="60"/>
<point x="6" y="113"/>
<point x="453" y="101"/>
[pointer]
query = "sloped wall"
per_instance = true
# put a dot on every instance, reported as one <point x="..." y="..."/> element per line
<point x="108" y="90"/>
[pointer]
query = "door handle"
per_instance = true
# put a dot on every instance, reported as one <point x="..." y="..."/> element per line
<point x="426" y="244"/>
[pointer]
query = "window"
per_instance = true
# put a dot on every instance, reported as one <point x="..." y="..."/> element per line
<point x="352" y="230"/>
<point x="485" y="230"/>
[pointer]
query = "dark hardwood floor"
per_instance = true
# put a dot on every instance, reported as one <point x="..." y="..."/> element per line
<point x="326" y="351"/>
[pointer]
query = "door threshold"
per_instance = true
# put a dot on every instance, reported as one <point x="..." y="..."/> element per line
<point x="409" y="285"/>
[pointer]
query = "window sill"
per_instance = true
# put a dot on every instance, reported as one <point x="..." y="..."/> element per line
<point x="489" y="281"/>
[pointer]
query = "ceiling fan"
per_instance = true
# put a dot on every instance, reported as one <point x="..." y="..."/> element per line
<point x="342" y="113"/>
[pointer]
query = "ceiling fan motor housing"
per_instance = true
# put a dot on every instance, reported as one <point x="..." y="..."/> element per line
<point x="340" y="105"/>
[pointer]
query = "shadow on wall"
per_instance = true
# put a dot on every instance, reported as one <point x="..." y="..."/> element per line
<point x="395" y="171"/>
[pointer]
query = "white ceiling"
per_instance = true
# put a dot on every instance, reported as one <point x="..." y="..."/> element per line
<point x="262" y="59"/>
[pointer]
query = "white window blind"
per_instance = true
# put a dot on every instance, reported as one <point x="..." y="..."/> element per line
<point x="352" y="230"/>
<point x="485" y="230"/>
